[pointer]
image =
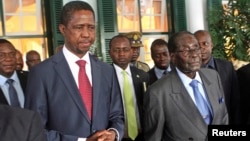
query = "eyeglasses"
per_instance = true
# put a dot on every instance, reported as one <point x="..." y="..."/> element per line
<point x="189" y="52"/>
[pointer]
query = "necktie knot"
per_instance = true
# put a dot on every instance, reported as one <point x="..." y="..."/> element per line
<point x="124" y="73"/>
<point x="10" y="81"/>
<point x="165" y="72"/>
<point x="194" y="84"/>
<point x="81" y="63"/>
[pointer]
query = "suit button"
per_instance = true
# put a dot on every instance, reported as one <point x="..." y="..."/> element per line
<point x="190" y="139"/>
<point x="93" y="131"/>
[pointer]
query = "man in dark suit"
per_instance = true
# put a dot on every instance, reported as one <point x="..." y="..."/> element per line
<point x="121" y="53"/>
<point x="20" y="125"/>
<point x="243" y="75"/>
<point x="227" y="74"/>
<point x="7" y="71"/>
<point x="172" y="110"/>
<point x="55" y="90"/>
<point x="161" y="58"/>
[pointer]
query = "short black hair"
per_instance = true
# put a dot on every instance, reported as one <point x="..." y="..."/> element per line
<point x="2" y="41"/>
<point x="158" y="42"/>
<point x="172" y="42"/>
<point x="71" y="7"/>
<point x="119" y="36"/>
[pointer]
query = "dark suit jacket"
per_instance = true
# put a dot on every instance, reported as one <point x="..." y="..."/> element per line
<point x="231" y="89"/>
<point x="170" y="113"/>
<point x="22" y="75"/>
<point x="20" y="125"/>
<point x="243" y="74"/>
<point x="152" y="75"/>
<point x="139" y="77"/>
<point x="52" y="91"/>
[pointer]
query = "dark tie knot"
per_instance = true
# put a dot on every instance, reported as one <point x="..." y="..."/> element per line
<point x="194" y="83"/>
<point x="81" y="63"/>
<point x="165" y="72"/>
<point x="10" y="81"/>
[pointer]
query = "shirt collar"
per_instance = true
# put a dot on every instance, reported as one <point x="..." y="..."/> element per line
<point x="119" y="69"/>
<point x="73" y="58"/>
<point x="186" y="80"/>
<point x="210" y="63"/>
<point x="4" y="79"/>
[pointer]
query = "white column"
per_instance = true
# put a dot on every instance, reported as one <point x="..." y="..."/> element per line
<point x="196" y="14"/>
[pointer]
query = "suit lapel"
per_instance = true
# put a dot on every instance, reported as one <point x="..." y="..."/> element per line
<point x="96" y="83"/>
<point x="62" y="68"/>
<point x="212" y="95"/>
<point x="2" y="98"/>
<point x="185" y="103"/>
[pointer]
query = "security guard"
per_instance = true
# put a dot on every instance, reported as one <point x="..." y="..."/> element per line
<point x="136" y="43"/>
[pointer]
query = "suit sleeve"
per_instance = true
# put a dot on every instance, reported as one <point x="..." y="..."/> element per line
<point x="116" y="109"/>
<point x="153" y="117"/>
<point x="36" y="100"/>
<point x="37" y="132"/>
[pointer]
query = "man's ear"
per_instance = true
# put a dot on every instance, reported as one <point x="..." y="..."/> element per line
<point x="172" y="58"/>
<point x="62" y="28"/>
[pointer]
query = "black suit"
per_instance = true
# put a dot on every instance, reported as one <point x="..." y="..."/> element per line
<point x="20" y="125"/>
<point x="152" y="75"/>
<point x="140" y="78"/>
<point x="231" y="89"/>
<point x="243" y="74"/>
<point x="22" y="76"/>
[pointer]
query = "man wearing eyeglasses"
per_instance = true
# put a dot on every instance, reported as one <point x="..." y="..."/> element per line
<point x="227" y="74"/>
<point x="173" y="104"/>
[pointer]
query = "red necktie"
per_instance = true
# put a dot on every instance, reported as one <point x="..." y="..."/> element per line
<point x="85" y="87"/>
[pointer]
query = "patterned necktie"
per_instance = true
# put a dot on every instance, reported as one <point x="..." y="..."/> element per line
<point x="13" y="94"/>
<point x="201" y="104"/>
<point x="130" y="107"/>
<point x="85" y="87"/>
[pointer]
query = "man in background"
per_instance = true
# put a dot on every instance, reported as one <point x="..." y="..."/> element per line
<point x="19" y="60"/>
<point x="136" y="43"/>
<point x="32" y="58"/>
<point x="121" y="53"/>
<point x="161" y="58"/>
<point x="227" y="74"/>
<point x="10" y="77"/>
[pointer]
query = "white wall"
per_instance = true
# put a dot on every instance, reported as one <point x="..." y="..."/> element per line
<point x="196" y="14"/>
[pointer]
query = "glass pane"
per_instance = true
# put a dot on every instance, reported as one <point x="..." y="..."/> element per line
<point x="127" y="15"/>
<point x="26" y="44"/>
<point x="154" y="16"/>
<point x="25" y="15"/>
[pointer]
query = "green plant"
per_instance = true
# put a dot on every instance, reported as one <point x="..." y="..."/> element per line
<point x="230" y="30"/>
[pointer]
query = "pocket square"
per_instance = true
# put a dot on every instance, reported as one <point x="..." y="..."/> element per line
<point x="221" y="100"/>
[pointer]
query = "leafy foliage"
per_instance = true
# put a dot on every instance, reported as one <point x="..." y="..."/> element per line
<point x="230" y="30"/>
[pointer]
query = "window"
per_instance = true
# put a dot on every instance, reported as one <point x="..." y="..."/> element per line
<point x="146" y="16"/>
<point x="22" y="24"/>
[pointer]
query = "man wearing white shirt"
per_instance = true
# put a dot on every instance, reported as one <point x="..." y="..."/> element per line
<point x="121" y="53"/>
